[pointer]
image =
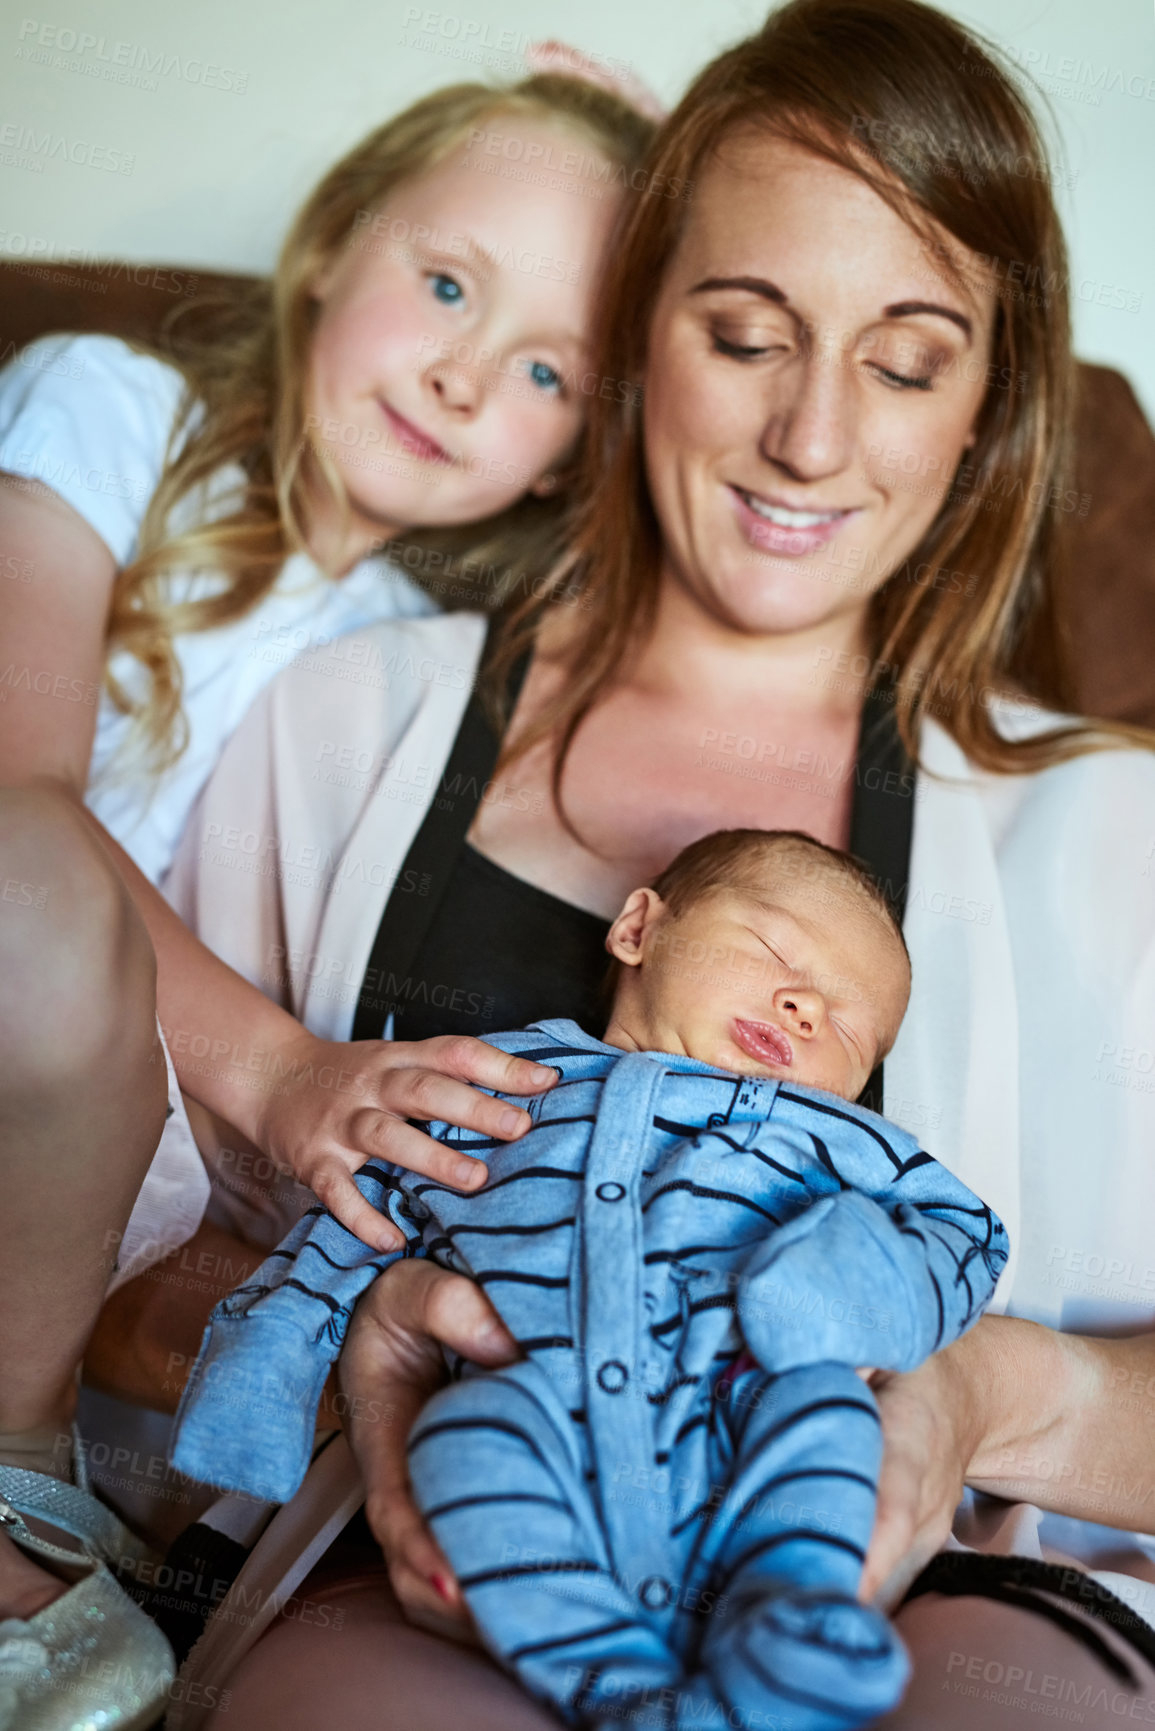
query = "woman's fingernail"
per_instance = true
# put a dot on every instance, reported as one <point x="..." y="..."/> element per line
<point x="465" y="1173"/>
<point x="511" y="1121"/>
<point x="441" y="1586"/>
<point x="545" y="1073"/>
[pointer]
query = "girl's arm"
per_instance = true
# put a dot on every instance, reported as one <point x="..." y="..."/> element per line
<point x="319" y="1109"/>
<point x="1022" y="1412"/>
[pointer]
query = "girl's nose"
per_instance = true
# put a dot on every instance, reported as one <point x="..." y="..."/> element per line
<point x="456" y="387"/>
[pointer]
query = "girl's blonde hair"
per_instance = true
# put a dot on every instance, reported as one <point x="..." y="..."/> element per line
<point x="244" y="405"/>
<point x="906" y="98"/>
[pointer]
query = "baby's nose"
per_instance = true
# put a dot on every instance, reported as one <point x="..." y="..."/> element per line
<point x="804" y="1011"/>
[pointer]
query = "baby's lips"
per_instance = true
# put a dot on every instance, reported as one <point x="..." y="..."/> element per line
<point x="763" y="1041"/>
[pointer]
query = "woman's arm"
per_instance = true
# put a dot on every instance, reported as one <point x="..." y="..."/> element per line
<point x="1019" y="1411"/>
<point x="319" y="1109"/>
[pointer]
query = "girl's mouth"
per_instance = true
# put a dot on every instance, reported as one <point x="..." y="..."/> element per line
<point x="413" y="440"/>
<point x="763" y="1042"/>
<point x="777" y="529"/>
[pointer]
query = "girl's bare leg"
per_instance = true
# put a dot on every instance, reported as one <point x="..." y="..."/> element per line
<point x="82" y="1105"/>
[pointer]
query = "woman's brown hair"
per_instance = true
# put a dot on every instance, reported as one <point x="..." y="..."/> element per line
<point x="244" y="407"/>
<point x="904" y="97"/>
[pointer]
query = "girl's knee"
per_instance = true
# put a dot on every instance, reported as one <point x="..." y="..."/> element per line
<point x="77" y="970"/>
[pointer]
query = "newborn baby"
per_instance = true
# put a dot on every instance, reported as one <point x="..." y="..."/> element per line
<point x="662" y="1511"/>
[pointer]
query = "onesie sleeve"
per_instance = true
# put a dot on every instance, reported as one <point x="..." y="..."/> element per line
<point x="91" y="417"/>
<point x="893" y="1258"/>
<point x="248" y="1413"/>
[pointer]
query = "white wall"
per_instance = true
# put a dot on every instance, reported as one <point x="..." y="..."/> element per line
<point x="251" y="99"/>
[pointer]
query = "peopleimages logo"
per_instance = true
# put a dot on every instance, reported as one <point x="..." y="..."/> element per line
<point x="119" y="62"/>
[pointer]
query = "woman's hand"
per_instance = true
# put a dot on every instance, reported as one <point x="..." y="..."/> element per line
<point x="927" y="1443"/>
<point x="390" y="1364"/>
<point x="338" y="1105"/>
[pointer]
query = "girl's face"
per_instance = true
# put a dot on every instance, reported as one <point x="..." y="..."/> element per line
<point x="449" y="367"/>
<point x="812" y="384"/>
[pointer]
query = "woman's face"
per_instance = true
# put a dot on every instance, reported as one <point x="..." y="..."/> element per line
<point x="811" y="387"/>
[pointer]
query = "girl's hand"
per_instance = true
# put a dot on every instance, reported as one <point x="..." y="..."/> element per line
<point x="928" y="1442"/>
<point x="389" y="1366"/>
<point x="338" y="1105"/>
<point x="554" y="56"/>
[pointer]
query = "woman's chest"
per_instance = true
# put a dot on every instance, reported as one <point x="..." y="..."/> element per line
<point x="643" y="779"/>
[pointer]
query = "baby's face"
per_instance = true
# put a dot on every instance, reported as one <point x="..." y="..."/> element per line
<point x="806" y="982"/>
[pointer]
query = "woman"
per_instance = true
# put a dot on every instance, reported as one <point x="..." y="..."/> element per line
<point x="846" y="465"/>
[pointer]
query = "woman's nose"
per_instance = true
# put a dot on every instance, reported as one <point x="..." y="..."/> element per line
<point x="811" y="427"/>
<point x="802" y="1013"/>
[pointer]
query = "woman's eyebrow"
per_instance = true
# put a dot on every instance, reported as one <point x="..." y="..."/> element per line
<point x="910" y="309"/>
<point x="754" y="285"/>
<point x="768" y="291"/>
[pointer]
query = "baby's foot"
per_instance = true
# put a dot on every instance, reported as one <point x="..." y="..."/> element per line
<point x="853" y="1663"/>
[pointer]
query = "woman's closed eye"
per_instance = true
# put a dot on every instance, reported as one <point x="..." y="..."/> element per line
<point x="744" y="346"/>
<point x="903" y="381"/>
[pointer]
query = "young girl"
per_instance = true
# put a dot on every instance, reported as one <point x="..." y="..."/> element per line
<point x="415" y="374"/>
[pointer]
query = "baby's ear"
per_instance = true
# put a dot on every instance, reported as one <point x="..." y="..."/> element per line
<point x="626" y="936"/>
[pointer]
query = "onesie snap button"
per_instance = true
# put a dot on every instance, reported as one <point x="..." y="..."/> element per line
<point x="611" y="1192"/>
<point x="613" y="1376"/>
<point x="656" y="1593"/>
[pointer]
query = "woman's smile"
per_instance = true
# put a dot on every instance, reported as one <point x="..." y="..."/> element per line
<point x="775" y="528"/>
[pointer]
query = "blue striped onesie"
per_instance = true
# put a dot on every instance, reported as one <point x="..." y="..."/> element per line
<point x="642" y="1528"/>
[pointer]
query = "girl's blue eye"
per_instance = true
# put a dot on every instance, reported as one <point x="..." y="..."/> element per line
<point x="446" y="288"/>
<point x="544" y="375"/>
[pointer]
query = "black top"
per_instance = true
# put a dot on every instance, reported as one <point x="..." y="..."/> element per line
<point x="501" y="954"/>
<point x="457" y="931"/>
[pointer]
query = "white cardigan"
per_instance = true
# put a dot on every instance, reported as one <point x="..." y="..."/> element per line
<point x="1026" y="1062"/>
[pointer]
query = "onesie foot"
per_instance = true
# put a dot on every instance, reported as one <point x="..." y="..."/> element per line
<point x="830" y="1660"/>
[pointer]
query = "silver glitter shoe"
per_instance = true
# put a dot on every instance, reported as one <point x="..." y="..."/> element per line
<point x="92" y="1660"/>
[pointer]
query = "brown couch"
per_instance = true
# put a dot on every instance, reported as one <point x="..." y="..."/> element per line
<point x="1106" y="603"/>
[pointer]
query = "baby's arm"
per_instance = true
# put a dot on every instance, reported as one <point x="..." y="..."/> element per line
<point x="248" y="1415"/>
<point x="892" y="1260"/>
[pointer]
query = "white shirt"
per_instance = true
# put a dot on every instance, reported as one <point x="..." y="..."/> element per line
<point x="92" y="418"/>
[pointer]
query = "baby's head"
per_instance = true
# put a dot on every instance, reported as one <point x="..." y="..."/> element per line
<point x="438" y="286"/>
<point x="765" y="952"/>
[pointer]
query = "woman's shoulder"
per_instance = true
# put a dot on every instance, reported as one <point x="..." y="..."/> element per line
<point x="1089" y="813"/>
<point x="91" y="417"/>
<point x="1103" y="758"/>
